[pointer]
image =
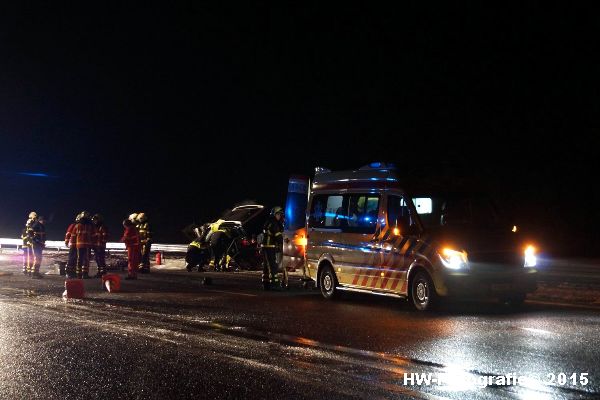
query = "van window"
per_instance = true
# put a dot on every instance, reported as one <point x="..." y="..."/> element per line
<point x="356" y="213"/>
<point x="423" y="205"/>
<point x="362" y="213"/>
<point x="327" y="211"/>
<point x="399" y="213"/>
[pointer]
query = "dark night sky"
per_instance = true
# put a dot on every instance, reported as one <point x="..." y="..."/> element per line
<point x="183" y="110"/>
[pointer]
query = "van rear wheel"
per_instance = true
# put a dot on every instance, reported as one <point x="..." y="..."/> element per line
<point x="328" y="283"/>
<point x="422" y="292"/>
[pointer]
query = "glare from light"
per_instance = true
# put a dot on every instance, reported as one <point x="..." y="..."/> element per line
<point x="514" y="229"/>
<point x="530" y="258"/>
<point x="396" y="232"/>
<point x="453" y="259"/>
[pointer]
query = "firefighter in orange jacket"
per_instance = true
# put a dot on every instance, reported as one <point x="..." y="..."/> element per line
<point x="131" y="238"/>
<point x="100" y="239"/>
<point x="83" y="236"/>
<point x="70" y="243"/>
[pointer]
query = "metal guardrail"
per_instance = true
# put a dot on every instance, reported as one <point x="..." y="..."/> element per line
<point x="550" y="270"/>
<point x="115" y="246"/>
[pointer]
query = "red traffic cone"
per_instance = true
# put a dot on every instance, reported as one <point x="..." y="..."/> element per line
<point x="111" y="282"/>
<point x="158" y="258"/>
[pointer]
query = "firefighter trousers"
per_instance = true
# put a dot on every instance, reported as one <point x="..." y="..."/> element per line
<point x="145" y="264"/>
<point x="133" y="260"/>
<point x="27" y="258"/>
<point x="100" y="258"/>
<point x="71" y="261"/>
<point x="270" y="266"/>
<point x="37" y="250"/>
<point x="83" y="261"/>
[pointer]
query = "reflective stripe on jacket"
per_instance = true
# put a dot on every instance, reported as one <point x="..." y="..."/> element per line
<point x="83" y="235"/>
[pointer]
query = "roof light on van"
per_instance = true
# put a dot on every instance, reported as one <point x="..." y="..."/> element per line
<point x="320" y="170"/>
<point x="378" y="165"/>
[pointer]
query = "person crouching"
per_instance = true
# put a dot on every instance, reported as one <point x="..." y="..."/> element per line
<point x="131" y="238"/>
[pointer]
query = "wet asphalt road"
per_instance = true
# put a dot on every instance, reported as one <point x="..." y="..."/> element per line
<point x="168" y="336"/>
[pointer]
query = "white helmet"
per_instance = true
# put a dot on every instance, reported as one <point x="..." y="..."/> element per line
<point x="133" y="217"/>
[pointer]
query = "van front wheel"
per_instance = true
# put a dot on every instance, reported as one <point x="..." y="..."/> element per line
<point x="328" y="283"/>
<point x="422" y="293"/>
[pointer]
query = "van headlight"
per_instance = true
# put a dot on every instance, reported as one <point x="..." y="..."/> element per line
<point x="530" y="258"/>
<point x="453" y="259"/>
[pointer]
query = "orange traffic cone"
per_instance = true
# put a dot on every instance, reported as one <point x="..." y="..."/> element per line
<point x="111" y="282"/>
<point x="158" y="258"/>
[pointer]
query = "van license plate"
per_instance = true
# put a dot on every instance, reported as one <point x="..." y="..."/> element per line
<point x="499" y="287"/>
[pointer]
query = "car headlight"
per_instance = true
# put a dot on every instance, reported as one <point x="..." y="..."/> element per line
<point x="530" y="258"/>
<point x="453" y="259"/>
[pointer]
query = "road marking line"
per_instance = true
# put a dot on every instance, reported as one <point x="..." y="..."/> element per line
<point x="549" y="303"/>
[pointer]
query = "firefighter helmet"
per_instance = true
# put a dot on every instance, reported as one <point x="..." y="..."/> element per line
<point x="98" y="217"/>
<point x="133" y="217"/>
<point x="276" y="210"/>
<point x="33" y="215"/>
<point x="141" y="217"/>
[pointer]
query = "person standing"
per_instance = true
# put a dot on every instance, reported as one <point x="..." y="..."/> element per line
<point x="70" y="243"/>
<point x="100" y="239"/>
<point x="33" y="239"/>
<point x="38" y="242"/>
<point x="145" y="233"/>
<point x="83" y="236"/>
<point x="131" y="238"/>
<point x="27" y="253"/>
<point x="272" y="243"/>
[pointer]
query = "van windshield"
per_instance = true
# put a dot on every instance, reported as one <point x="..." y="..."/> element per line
<point x="476" y="211"/>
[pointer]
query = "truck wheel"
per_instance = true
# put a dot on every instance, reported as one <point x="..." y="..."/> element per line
<point x="422" y="293"/>
<point x="328" y="283"/>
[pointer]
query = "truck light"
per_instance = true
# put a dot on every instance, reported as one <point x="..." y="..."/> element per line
<point x="530" y="258"/>
<point x="453" y="259"/>
<point x="514" y="229"/>
<point x="301" y="241"/>
<point x="396" y="232"/>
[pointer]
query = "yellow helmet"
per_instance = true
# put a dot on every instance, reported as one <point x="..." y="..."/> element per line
<point x="141" y="217"/>
<point x="132" y="217"/>
<point x="33" y="215"/>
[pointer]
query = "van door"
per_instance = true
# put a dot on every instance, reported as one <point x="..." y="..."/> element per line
<point x="325" y="221"/>
<point x="362" y="257"/>
<point x="294" y="234"/>
<point x="398" y="242"/>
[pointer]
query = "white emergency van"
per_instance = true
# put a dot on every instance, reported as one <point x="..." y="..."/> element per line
<point x="365" y="233"/>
